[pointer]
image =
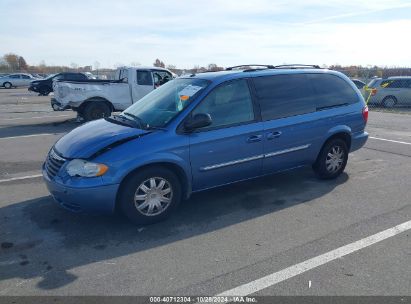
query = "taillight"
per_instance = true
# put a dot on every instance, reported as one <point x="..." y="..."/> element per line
<point x="365" y="114"/>
<point x="373" y="92"/>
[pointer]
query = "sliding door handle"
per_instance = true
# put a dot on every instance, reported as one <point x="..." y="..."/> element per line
<point x="254" y="138"/>
<point x="273" y="135"/>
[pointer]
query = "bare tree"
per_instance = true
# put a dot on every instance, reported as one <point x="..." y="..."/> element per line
<point x="12" y="61"/>
<point x="74" y="65"/>
<point x="159" y="63"/>
<point x="22" y="63"/>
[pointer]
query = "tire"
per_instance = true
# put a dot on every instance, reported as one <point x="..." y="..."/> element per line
<point x="44" y="91"/>
<point x="7" y="85"/>
<point x="133" y="202"/>
<point x="328" y="166"/>
<point x="96" y="110"/>
<point x="389" y="102"/>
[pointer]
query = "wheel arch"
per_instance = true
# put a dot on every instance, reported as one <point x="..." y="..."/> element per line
<point x="343" y="133"/>
<point x="95" y="98"/>
<point x="173" y="167"/>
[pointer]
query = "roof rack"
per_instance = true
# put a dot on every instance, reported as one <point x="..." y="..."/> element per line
<point x="267" y="66"/>
<point x="296" y="66"/>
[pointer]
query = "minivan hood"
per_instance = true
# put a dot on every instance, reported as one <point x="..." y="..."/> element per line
<point x="92" y="137"/>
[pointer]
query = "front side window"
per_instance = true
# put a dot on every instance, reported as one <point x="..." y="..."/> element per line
<point x="395" y="84"/>
<point x="228" y="104"/>
<point x="161" y="77"/>
<point x="144" y="78"/>
<point x="15" y="76"/>
<point x="160" y="106"/>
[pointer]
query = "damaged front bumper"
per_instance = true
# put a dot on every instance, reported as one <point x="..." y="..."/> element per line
<point x="57" y="106"/>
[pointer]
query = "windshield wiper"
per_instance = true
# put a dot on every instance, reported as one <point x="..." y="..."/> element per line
<point x="136" y="118"/>
<point x="122" y="120"/>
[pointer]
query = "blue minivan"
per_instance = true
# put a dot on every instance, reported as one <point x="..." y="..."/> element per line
<point x="207" y="130"/>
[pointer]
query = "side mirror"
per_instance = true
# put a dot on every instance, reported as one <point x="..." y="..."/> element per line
<point x="199" y="120"/>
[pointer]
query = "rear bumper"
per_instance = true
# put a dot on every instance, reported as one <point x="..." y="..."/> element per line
<point x="358" y="140"/>
<point x="94" y="200"/>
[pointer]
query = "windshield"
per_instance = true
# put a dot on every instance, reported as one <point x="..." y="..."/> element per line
<point x="161" y="105"/>
<point x="373" y="82"/>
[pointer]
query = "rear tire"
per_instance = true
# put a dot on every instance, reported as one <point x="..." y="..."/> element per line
<point x="144" y="201"/>
<point x="332" y="159"/>
<point x="7" y="85"/>
<point x="96" y="110"/>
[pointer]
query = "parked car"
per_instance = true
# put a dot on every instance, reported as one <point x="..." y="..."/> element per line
<point x="16" y="80"/>
<point x="95" y="99"/>
<point x="45" y="86"/>
<point x="358" y="83"/>
<point x="389" y="92"/>
<point x="204" y="131"/>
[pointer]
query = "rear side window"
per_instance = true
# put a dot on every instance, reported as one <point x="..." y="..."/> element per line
<point x="331" y="90"/>
<point x="284" y="95"/>
<point x="144" y="78"/>
<point x="228" y="104"/>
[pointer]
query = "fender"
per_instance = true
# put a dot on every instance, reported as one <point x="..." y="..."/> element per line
<point x="339" y="129"/>
<point x="153" y="159"/>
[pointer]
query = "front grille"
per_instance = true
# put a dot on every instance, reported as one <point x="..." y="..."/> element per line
<point x="53" y="163"/>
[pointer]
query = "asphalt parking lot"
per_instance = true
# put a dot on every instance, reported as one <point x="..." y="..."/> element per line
<point x="218" y="240"/>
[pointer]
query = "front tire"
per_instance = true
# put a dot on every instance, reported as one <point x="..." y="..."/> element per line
<point x="332" y="159"/>
<point x="96" y="110"/>
<point x="389" y="102"/>
<point x="44" y="92"/>
<point x="7" y="85"/>
<point x="150" y="195"/>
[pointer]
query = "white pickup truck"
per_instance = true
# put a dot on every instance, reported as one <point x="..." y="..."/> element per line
<point x="94" y="99"/>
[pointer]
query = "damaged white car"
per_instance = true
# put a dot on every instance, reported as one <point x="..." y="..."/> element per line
<point x="94" y="99"/>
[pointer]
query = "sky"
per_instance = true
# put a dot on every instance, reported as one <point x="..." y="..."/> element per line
<point x="227" y="32"/>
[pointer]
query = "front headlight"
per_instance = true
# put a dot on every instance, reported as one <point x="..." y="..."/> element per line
<point x="80" y="167"/>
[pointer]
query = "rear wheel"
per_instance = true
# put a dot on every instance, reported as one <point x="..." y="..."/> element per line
<point x="150" y="195"/>
<point x="332" y="159"/>
<point x="96" y="110"/>
<point x="7" y="85"/>
<point x="389" y="102"/>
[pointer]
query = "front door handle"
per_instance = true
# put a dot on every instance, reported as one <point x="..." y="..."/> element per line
<point x="273" y="135"/>
<point x="254" y="138"/>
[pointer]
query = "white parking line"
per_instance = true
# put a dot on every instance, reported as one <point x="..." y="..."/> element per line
<point x="390" y="140"/>
<point x="20" y="178"/>
<point x="25" y="136"/>
<point x="35" y="117"/>
<point x="292" y="271"/>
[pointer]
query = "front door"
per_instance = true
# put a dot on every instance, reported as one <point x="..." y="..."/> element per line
<point x="231" y="148"/>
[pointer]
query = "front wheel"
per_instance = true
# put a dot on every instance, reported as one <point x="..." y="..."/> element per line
<point x="150" y="196"/>
<point x="389" y="102"/>
<point x="44" y="92"/>
<point x="7" y="85"/>
<point x="332" y="159"/>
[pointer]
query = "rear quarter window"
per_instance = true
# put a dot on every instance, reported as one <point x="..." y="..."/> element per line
<point x="331" y="90"/>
